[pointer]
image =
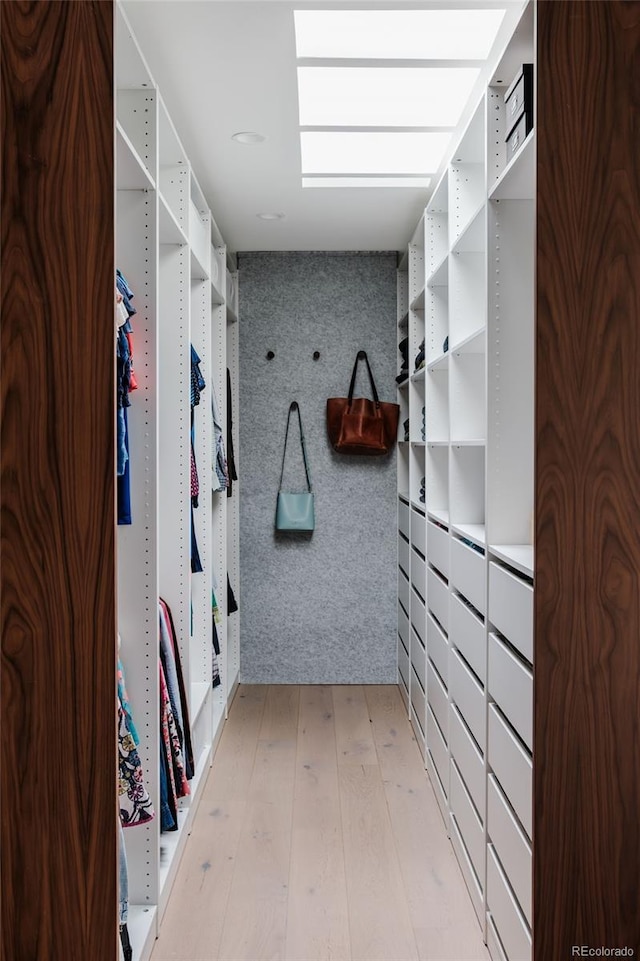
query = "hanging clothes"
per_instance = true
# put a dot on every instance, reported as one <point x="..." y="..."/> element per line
<point x="220" y="480"/>
<point x="125" y="383"/>
<point x="174" y="675"/>
<point x="216" y="618"/>
<point x="134" y="802"/>
<point x="231" y="461"/>
<point x="197" y="386"/>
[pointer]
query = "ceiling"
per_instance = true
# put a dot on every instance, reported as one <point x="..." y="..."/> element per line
<point x="225" y="66"/>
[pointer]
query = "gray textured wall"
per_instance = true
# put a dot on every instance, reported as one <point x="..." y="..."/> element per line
<point x="319" y="608"/>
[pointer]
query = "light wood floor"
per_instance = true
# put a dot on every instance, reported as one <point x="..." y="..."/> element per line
<point x="318" y="837"/>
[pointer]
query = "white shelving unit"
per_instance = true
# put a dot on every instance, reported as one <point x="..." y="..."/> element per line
<point x="186" y="292"/>
<point x="466" y="558"/>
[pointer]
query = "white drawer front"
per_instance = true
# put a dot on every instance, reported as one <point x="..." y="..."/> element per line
<point x="512" y="847"/>
<point x="468" y="695"/>
<point x="467" y="633"/>
<point x="493" y="941"/>
<point x="418" y="574"/>
<point x="438" y="548"/>
<point x="418" y="701"/>
<point x="403" y="590"/>
<point x="403" y="663"/>
<point x="403" y="626"/>
<point x="438" y="701"/>
<point x="511" y="608"/>
<point x="403" y="554"/>
<point x="418" y="616"/>
<point x="403" y="518"/>
<point x="438" y="598"/>
<point x="468" y="759"/>
<point x="469" y="824"/>
<point x="468" y="573"/>
<point x="418" y="531"/>
<point x="438" y="749"/>
<point x="474" y="889"/>
<point x="419" y="658"/>
<point x="438" y="648"/>
<point x="506" y="915"/>
<point x="512" y="766"/>
<point x="511" y="686"/>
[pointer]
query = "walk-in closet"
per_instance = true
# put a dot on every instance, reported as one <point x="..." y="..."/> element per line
<point x="265" y="695"/>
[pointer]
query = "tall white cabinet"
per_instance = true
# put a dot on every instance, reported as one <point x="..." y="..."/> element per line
<point x="465" y="504"/>
<point x="185" y="284"/>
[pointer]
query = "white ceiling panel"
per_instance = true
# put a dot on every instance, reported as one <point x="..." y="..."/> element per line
<point x="225" y="66"/>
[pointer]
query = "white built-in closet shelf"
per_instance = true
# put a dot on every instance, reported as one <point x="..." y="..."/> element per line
<point x="169" y="230"/>
<point x="440" y="363"/>
<point x="198" y="270"/>
<point x="473" y="532"/>
<point x="417" y="443"/>
<point x="132" y="173"/>
<point x="472" y="237"/>
<point x="404" y="384"/>
<point x="442" y="517"/>
<point x="417" y="376"/>
<point x="419" y="506"/>
<point x="199" y="691"/>
<point x="418" y="302"/>
<point x="439" y="277"/>
<point x="141" y="923"/>
<point x="437" y="443"/>
<point x="404" y="497"/>
<point x="517" y="180"/>
<point x="473" y="344"/>
<point x="519" y="556"/>
<point x="469" y="442"/>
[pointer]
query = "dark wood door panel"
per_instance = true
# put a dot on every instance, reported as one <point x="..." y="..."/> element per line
<point x="59" y="846"/>
<point x="587" y="608"/>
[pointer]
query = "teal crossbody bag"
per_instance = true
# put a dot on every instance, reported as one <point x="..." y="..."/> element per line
<point x="295" y="512"/>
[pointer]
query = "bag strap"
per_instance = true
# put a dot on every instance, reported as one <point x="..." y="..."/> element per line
<point x="295" y="406"/>
<point x="362" y="355"/>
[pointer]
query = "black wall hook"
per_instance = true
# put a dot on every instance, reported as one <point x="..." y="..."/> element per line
<point x="316" y="355"/>
<point x="270" y="355"/>
<point x="362" y="355"/>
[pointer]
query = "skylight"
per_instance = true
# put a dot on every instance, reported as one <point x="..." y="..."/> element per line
<point x="380" y="92"/>
<point x="355" y="152"/>
<point x="366" y="182"/>
<point x="383" y="96"/>
<point x="397" y="34"/>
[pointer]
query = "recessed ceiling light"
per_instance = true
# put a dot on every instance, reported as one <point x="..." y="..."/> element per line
<point x="270" y="216"/>
<point x="359" y="153"/>
<point x="248" y="136"/>
<point x="383" y="96"/>
<point x="397" y="34"/>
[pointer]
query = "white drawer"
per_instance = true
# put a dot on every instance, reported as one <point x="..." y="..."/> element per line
<point x="438" y="548"/>
<point x="469" y="823"/>
<point x="403" y="590"/>
<point x="468" y="573"/>
<point x="438" y="749"/>
<point x="511" y="608"/>
<point x="511" y="687"/>
<point x="474" y="889"/>
<point x="438" y="648"/>
<point x="403" y="626"/>
<point x="403" y="663"/>
<point x="418" y="701"/>
<point x="506" y="915"/>
<point x="418" y="538"/>
<point x="438" y="599"/>
<point x="403" y="554"/>
<point x="468" y="695"/>
<point x="493" y="941"/>
<point x="511" y="846"/>
<point x="418" y="615"/>
<point x="468" y="758"/>
<point x="438" y="700"/>
<point x="403" y="518"/>
<point x="419" y="658"/>
<point x="467" y="633"/>
<point x="418" y="574"/>
<point x="512" y="766"/>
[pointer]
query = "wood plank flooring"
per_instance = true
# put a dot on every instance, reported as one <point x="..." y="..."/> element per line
<point x="318" y="838"/>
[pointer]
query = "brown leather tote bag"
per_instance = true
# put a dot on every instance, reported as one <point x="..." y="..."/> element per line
<point x="359" y="425"/>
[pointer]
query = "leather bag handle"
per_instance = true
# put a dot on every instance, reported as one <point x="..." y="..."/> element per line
<point x="362" y="355"/>
<point x="295" y="406"/>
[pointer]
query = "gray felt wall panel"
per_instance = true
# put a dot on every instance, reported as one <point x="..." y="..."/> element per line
<point x="317" y="608"/>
